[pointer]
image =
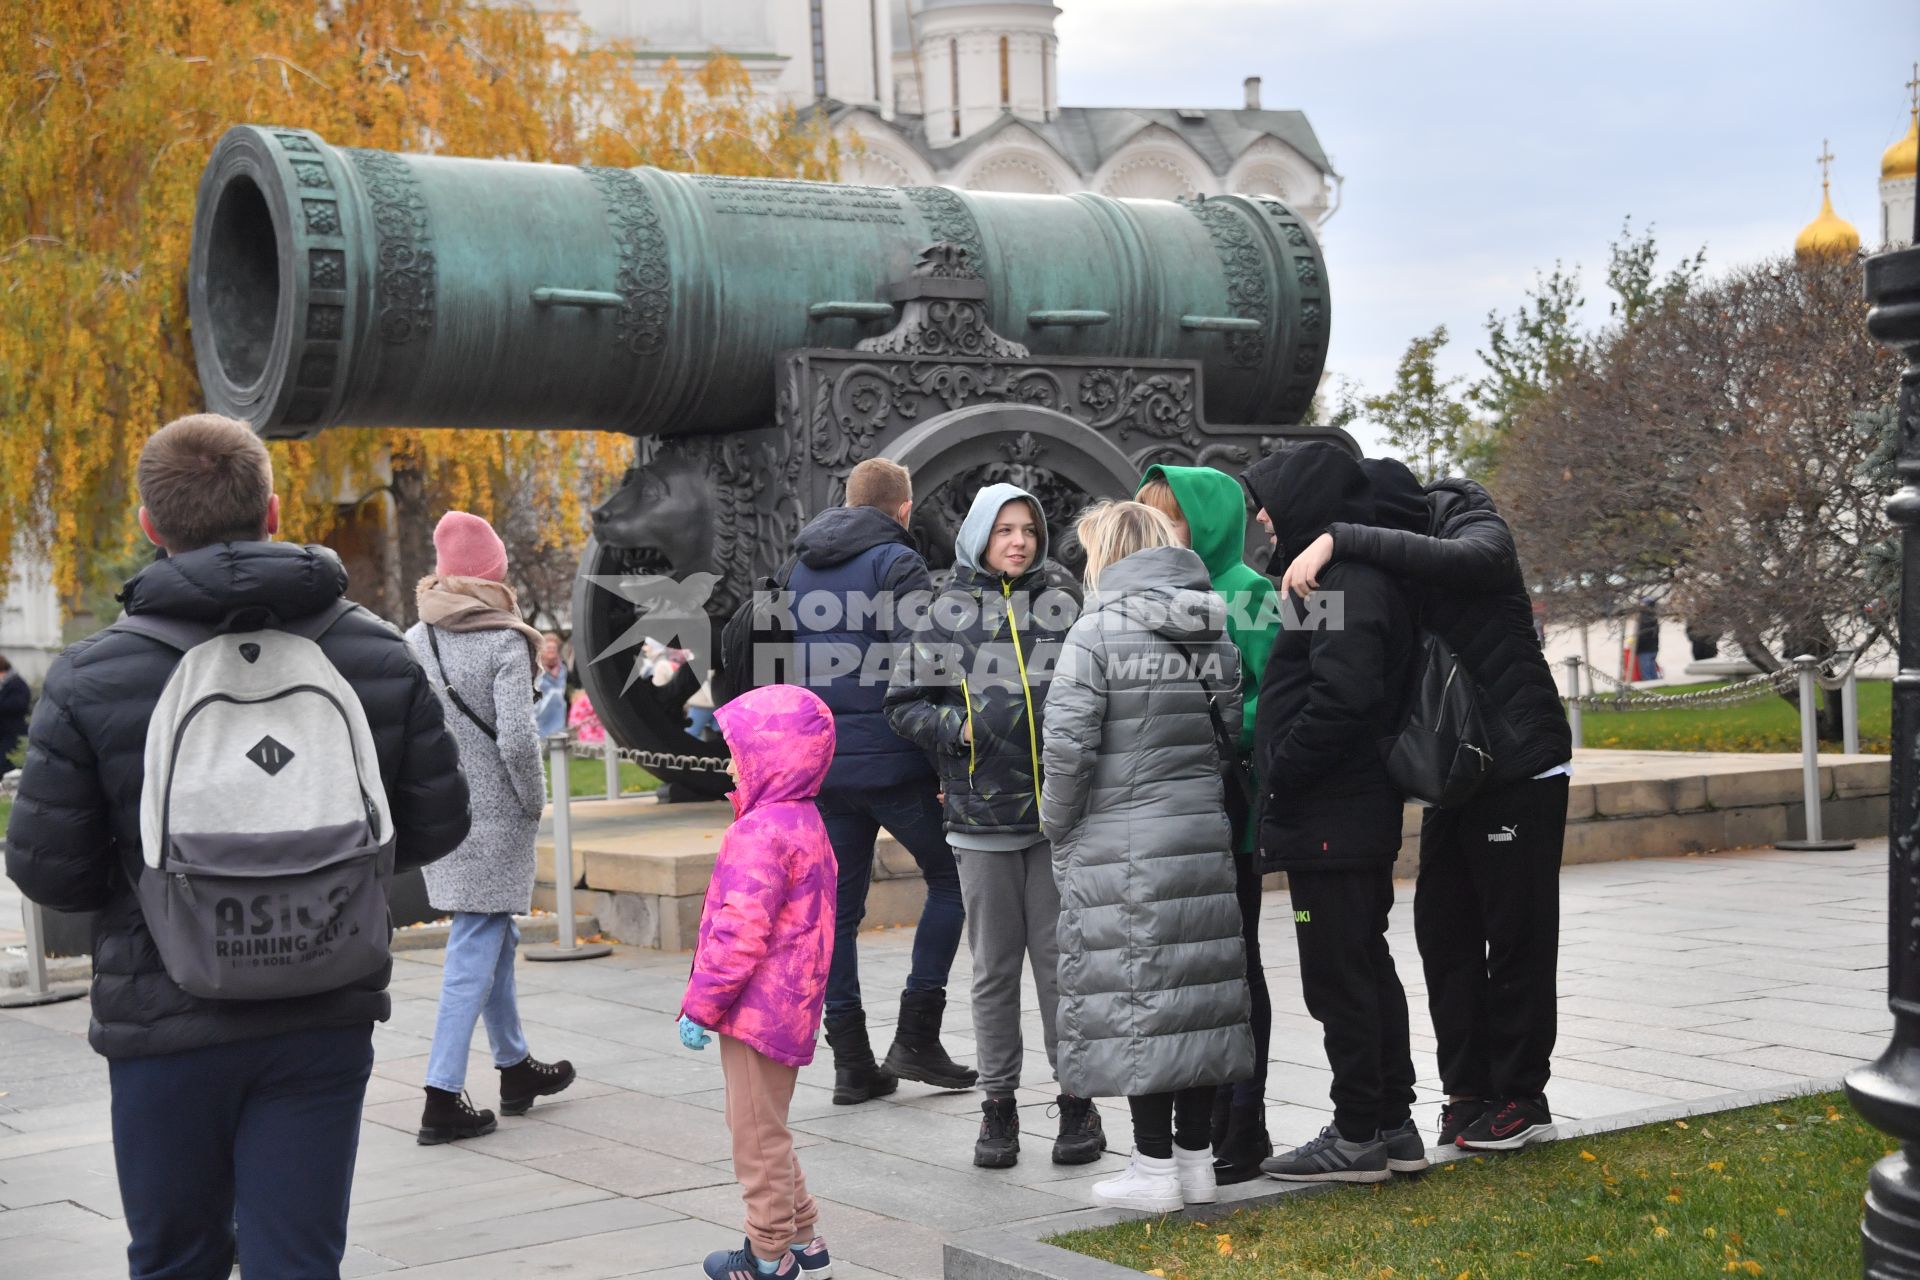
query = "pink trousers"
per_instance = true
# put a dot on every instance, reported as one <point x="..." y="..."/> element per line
<point x="759" y="1091"/>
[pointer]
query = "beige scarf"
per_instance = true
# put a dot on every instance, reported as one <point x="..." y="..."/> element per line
<point x="454" y="603"/>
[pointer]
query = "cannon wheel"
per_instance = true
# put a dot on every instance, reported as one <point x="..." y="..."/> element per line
<point x="1026" y="445"/>
<point x="636" y="717"/>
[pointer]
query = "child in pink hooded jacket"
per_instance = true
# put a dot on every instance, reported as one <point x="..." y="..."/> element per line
<point x="760" y="968"/>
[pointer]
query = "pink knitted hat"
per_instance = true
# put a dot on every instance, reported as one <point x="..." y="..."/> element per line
<point x="468" y="547"/>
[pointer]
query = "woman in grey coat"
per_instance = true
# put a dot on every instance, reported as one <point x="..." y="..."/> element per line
<point x="1153" y="992"/>
<point x="480" y="658"/>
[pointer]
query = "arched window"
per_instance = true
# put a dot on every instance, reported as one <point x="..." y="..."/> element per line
<point x="1006" y="78"/>
<point x="953" y="61"/>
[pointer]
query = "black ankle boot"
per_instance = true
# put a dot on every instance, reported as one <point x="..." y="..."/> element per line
<point x="1222" y="1113"/>
<point x="856" y="1076"/>
<point x="1237" y="1157"/>
<point x="998" y="1146"/>
<point x="1081" y="1138"/>
<point x="917" y="1053"/>
<point x="449" y="1117"/>
<point x="521" y="1083"/>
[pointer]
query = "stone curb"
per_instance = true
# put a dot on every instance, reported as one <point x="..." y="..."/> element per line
<point x="415" y="937"/>
<point x="1019" y="1251"/>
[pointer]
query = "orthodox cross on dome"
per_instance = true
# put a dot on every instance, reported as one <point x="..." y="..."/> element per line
<point x="1913" y="89"/>
<point x="1825" y="160"/>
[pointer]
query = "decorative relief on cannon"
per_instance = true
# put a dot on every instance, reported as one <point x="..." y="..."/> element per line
<point x="644" y="276"/>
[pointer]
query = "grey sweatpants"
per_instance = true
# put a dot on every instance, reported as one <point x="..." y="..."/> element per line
<point x="1013" y="913"/>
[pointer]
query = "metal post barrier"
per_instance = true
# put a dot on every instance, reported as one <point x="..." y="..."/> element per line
<point x="1809" y="669"/>
<point x="38" y="989"/>
<point x="565" y="945"/>
<point x="1573" y="701"/>
<point x="1850" y="708"/>
<point x="609" y="754"/>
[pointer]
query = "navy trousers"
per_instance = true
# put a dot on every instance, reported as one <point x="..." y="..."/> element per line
<point x="261" y="1133"/>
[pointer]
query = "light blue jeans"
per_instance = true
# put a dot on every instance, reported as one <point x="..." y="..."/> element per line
<point x="478" y="983"/>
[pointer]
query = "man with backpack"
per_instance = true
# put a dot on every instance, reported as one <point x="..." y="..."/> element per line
<point x="1486" y="911"/>
<point x="855" y="582"/>
<point x="228" y="777"/>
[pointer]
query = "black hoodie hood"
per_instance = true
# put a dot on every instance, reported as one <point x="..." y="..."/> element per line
<point x="1305" y="489"/>
<point x="1398" y="500"/>
<point x="235" y="579"/>
<point x="838" y="534"/>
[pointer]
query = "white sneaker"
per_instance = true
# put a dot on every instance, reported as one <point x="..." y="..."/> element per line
<point x="1149" y="1185"/>
<point x="1195" y="1171"/>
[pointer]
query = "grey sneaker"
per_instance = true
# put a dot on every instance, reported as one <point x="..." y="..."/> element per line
<point x="1331" y="1158"/>
<point x="1406" y="1149"/>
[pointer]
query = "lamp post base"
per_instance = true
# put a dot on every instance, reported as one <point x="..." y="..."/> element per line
<point x="27" y="997"/>
<point x="1817" y="846"/>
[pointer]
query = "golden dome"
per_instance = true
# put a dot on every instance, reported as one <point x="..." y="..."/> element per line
<point x="1898" y="160"/>
<point x="1828" y="235"/>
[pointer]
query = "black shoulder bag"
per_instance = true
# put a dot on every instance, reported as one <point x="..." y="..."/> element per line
<point x="446" y="682"/>
<point x="1439" y="755"/>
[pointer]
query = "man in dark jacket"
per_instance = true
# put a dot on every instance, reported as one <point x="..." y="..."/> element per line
<point x="1331" y="819"/>
<point x="973" y="696"/>
<point x="855" y="584"/>
<point x="15" y="700"/>
<point x="1487" y="909"/>
<point x="223" y="1110"/>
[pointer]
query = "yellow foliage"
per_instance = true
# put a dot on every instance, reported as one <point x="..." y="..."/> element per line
<point x="108" y="113"/>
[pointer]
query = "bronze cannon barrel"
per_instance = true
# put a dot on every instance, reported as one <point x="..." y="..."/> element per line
<point x="334" y="286"/>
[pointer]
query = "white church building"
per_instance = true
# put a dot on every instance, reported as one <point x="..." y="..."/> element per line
<point x="967" y="94"/>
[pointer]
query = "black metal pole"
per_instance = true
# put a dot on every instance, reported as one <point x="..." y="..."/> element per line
<point x="1888" y="1092"/>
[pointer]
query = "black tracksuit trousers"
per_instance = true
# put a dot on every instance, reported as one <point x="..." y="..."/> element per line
<point x="1353" y="992"/>
<point x="1486" y="914"/>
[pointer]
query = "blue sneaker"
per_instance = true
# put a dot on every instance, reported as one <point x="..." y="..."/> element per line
<point x="740" y="1264"/>
<point x="813" y="1259"/>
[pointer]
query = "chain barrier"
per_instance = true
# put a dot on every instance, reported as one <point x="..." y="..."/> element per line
<point x="653" y="761"/>
<point x="1833" y="676"/>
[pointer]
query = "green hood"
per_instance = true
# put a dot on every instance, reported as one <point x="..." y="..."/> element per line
<point x="1216" y="509"/>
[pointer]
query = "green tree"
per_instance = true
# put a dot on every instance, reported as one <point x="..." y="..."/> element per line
<point x="1631" y="275"/>
<point x="1423" y="415"/>
<point x="1529" y="351"/>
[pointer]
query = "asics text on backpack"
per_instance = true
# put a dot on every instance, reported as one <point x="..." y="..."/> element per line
<point x="267" y="843"/>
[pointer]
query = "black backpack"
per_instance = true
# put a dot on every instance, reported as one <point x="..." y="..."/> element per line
<point x="1439" y="754"/>
<point x="742" y="634"/>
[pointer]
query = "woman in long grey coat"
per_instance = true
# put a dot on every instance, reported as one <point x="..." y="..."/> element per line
<point x="1153" y="992"/>
<point x="480" y="658"/>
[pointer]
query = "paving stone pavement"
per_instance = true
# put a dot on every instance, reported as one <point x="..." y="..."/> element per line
<point x="1681" y="979"/>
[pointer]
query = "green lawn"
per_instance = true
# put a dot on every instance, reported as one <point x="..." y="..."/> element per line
<point x="1766" y="724"/>
<point x="589" y="778"/>
<point x="1768" y="1191"/>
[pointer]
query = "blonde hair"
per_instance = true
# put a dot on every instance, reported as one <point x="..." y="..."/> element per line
<point x="879" y="482"/>
<point x="205" y="479"/>
<point x="1110" y="531"/>
<point x="1158" y="494"/>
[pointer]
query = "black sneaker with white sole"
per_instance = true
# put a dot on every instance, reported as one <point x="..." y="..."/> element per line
<point x="1456" y="1116"/>
<point x="1331" y="1158"/>
<point x="1514" y="1123"/>
<point x="1406" y="1149"/>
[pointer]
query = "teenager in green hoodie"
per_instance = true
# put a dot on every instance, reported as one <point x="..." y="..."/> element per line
<point x="1209" y="510"/>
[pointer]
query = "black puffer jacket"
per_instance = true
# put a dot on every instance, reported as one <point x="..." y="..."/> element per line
<point x="1454" y="552"/>
<point x="1330" y="692"/>
<point x="985" y="659"/>
<point x="74" y="839"/>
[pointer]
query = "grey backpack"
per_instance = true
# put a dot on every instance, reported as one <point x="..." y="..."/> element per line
<point x="266" y="840"/>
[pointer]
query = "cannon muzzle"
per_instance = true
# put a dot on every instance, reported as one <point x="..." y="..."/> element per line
<point x="334" y="286"/>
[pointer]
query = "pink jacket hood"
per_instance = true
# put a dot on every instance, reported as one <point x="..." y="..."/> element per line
<point x="781" y="737"/>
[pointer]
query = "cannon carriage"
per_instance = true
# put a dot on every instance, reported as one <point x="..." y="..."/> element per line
<point x="757" y="338"/>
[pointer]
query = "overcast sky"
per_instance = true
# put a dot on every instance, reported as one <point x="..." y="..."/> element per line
<point x="1482" y="139"/>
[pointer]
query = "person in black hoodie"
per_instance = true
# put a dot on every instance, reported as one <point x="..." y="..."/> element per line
<point x="1487" y="909"/>
<point x="855" y="580"/>
<point x="1331" y="819"/>
<point x="15" y="701"/>
<point x="223" y="1110"/>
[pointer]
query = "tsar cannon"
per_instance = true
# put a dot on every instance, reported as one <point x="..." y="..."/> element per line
<point x="757" y="338"/>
